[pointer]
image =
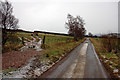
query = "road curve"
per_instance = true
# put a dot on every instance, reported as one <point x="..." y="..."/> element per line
<point x="82" y="62"/>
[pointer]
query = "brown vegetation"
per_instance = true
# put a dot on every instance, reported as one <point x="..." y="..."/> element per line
<point x="110" y="43"/>
<point x="108" y="56"/>
<point x="17" y="59"/>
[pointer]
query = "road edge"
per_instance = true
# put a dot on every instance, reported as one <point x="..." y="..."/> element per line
<point x="60" y="61"/>
<point x="100" y="62"/>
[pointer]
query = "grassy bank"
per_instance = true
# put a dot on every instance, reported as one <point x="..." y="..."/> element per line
<point x="14" y="43"/>
<point x="51" y="55"/>
<point x="59" y="49"/>
<point x="109" y="59"/>
<point x="56" y="46"/>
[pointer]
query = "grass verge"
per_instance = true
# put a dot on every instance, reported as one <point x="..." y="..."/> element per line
<point x="110" y="60"/>
<point x="53" y="52"/>
<point x="9" y="70"/>
<point x="59" y="49"/>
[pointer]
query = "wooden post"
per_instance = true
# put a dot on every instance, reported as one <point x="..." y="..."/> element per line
<point x="23" y="40"/>
<point x="44" y="41"/>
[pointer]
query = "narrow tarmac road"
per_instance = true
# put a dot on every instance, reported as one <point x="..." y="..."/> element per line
<point x="82" y="62"/>
<point x="93" y="67"/>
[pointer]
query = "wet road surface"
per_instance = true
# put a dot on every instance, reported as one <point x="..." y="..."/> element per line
<point x="82" y="62"/>
<point x="93" y="67"/>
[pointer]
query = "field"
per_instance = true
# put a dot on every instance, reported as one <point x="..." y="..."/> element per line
<point x="56" y="46"/>
<point x="109" y="59"/>
<point x="15" y="43"/>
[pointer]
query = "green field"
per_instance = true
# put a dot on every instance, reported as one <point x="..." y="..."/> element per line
<point x="55" y="46"/>
<point x="48" y="37"/>
<point x="14" y="43"/>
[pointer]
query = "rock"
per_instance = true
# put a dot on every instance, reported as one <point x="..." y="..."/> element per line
<point x="10" y="73"/>
<point x="115" y="71"/>
<point x="104" y="57"/>
<point x="37" y="72"/>
<point x="111" y="62"/>
<point x="118" y="76"/>
<point x="106" y="61"/>
<point x="111" y="67"/>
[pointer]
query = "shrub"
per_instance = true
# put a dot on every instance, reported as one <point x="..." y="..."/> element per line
<point x="13" y="43"/>
<point x="10" y="47"/>
<point x="109" y="43"/>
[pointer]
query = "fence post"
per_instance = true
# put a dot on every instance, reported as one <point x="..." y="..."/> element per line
<point x="23" y="40"/>
<point x="44" y="41"/>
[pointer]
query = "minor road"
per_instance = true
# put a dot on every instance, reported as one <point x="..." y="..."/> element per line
<point x="93" y="67"/>
<point x="82" y="62"/>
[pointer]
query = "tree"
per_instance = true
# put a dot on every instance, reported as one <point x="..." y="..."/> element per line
<point x="75" y="26"/>
<point x="7" y="20"/>
<point x="90" y="34"/>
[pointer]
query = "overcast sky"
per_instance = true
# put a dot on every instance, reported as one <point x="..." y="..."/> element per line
<point x="50" y="15"/>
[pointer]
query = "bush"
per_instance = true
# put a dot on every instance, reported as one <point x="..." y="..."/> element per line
<point x="119" y="67"/>
<point x="13" y="39"/>
<point x="13" y="43"/>
<point x="110" y="43"/>
<point x="10" y="47"/>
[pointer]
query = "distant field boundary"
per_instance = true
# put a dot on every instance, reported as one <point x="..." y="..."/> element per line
<point x="51" y="33"/>
<point x="19" y="30"/>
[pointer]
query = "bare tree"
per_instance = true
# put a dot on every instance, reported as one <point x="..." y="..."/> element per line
<point x="7" y="20"/>
<point x="75" y="26"/>
<point x="90" y="34"/>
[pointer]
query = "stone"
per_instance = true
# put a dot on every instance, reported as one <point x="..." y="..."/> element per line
<point x="37" y="72"/>
<point x="115" y="71"/>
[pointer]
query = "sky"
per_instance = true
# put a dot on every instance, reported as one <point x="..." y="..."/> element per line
<point x="101" y="16"/>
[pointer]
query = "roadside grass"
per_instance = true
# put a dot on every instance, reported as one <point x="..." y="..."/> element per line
<point x="56" y="46"/>
<point x="15" y="43"/>
<point x="109" y="55"/>
<point x="10" y="47"/>
<point x="112" y="58"/>
<point x="5" y="71"/>
<point x="109" y="59"/>
<point x="58" y="50"/>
